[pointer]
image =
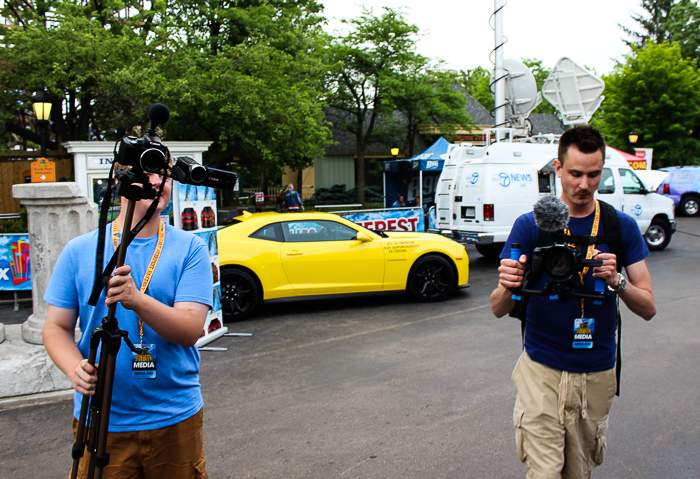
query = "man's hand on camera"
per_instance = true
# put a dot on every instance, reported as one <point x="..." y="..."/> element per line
<point x="511" y="272"/>
<point x="122" y="289"/>
<point x="84" y="378"/>
<point x="608" y="271"/>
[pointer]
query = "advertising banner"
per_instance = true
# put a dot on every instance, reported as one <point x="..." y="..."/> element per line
<point x="194" y="209"/>
<point x="644" y="155"/>
<point x="15" y="270"/>
<point x="409" y="219"/>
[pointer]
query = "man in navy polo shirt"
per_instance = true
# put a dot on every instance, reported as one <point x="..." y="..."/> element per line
<point x="566" y="386"/>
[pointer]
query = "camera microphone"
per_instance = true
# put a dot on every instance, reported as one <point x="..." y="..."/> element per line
<point x="551" y="214"/>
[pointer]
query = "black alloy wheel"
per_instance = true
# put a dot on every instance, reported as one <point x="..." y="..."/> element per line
<point x="240" y="294"/>
<point x="431" y="279"/>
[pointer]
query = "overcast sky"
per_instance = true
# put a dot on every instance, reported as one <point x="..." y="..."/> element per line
<point x="458" y="31"/>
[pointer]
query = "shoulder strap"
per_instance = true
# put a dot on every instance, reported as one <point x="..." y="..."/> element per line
<point x="613" y="233"/>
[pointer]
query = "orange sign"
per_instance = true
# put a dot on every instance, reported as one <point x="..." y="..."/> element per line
<point x="43" y="171"/>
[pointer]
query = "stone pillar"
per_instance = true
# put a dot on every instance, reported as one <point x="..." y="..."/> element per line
<point x="56" y="213"/>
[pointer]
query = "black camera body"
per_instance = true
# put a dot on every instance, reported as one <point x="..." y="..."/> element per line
<point x="147" y="153"/>
<point x="562" y="263"/>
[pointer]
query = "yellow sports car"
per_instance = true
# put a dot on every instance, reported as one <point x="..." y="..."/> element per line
<point x="269" y="256"/>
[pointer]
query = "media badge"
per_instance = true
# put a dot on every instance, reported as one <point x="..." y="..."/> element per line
<point x="143" y="366"/>
<point x="583" y="333"/>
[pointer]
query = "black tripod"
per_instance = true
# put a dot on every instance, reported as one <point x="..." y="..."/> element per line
<point x="94" y="411"/>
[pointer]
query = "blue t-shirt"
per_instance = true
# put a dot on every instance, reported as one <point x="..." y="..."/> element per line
<point x="292" y="200"/>
<point x="549" y="327"/>
<point x="183" y="274"/>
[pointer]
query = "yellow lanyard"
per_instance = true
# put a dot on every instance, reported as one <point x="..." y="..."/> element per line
<point x="589" y="251"/>
<point x="151" y="266"/>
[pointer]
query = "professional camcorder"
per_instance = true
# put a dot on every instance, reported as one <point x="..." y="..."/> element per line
<point x="188" y="171"/>
<point x="561" y="259"/>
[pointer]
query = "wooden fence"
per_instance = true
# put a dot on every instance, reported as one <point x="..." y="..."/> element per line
<point x="15" y="172"/>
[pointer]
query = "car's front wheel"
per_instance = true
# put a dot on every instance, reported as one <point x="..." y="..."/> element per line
<point x="431" y="279"/>
<point x="658" y="236"/>
<point x="240" y="294"/>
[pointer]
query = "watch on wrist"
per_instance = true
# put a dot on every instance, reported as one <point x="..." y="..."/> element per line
<point x="621" y="285"/>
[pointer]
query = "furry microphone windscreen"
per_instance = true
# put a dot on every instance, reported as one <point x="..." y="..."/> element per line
<point x="551" y="214"/>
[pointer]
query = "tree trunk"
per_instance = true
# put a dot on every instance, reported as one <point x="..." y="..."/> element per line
<point x="300" y="181"/>
<point x="360" y="171"/>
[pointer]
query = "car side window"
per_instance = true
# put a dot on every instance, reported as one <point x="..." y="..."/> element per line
<point x="311" y="231"/>
<point x="269" y="232"/>
<point x="607" y="182"/>
<point x="631" y="184"/>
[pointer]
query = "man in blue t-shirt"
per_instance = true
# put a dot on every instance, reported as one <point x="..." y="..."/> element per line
<point x="566" y="374"/>
<point x="163" y="294"/>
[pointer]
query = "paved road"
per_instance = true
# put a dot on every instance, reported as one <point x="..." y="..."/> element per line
<point x="387" y="388"/>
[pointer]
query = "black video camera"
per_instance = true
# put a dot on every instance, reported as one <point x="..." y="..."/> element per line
<point x="147" y="153"/>
<point x="186" y="170"/>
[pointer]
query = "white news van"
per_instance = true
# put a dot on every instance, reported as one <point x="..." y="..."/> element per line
<point x="482" y="190"/>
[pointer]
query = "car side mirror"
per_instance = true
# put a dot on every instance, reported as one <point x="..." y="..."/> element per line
<point x="362" y="237"/>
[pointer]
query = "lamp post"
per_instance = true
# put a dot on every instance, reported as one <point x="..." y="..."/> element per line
<point x="633" y="136"/>
<point x="395" y="152"/>
<point x="41" y="105"/>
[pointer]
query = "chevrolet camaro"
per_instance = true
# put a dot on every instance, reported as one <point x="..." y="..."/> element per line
<point x="277" y="256"/>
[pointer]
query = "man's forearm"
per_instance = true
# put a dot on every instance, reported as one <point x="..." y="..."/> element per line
<point x="179" y="325"/>
<point x="502" y="301"/>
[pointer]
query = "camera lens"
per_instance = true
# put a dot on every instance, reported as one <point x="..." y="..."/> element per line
<point x="559" y="263"/>
<point x="153" y="160"/>
<point x="198" y="173"/>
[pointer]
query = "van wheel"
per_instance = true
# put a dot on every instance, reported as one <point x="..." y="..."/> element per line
<point x="490" y="251"/>
<point x="240" y="294"/>
<point x="658" y="236"/>
<point x="431" y="279"/>
<point x="690" y="205"/>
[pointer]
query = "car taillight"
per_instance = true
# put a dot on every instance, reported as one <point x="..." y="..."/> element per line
<point x="488" y="212"/>
<point x="667" y="189"/>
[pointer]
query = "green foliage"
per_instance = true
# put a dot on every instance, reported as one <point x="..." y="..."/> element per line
<point x="427" y="99"/>
<point x="476" y="82"/>
<point x="15" y="226"/>
<point x="653" y="23"/>
<point x="684" y="27"/>
<point x="340" y="195"/>
<point x="656" y="93"/>
<point x="377" y="51"/>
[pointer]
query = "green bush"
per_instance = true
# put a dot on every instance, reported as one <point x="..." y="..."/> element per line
<point x="15" y="226"/>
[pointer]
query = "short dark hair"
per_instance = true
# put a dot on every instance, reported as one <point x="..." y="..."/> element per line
<point x="584" y="138"/>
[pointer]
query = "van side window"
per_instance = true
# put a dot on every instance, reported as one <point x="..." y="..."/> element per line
<point x="631" y="185"/>
<point x="607" y="182"/>
<point x="544" y="181"/>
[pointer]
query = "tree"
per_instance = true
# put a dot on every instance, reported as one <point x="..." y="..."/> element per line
<point x="427" y="99"/>
<point x="656" y="93"/>
<point x="477" y="82"/>
<point x="246" y="74"/>
<point x="684" y="27"/>
<point x="654" y="27"/>
<point x="362" y="63"/>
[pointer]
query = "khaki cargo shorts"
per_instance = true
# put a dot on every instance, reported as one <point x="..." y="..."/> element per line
<point x="560" y="419"/>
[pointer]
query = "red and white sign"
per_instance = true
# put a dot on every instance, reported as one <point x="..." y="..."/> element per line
<point x="259" y="197"/>
<point x="644" y="154"/>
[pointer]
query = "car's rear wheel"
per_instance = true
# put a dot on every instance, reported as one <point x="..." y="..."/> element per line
<point x="658" y="236"/>
<point x="240" y="294"/>
<point x="690" y="205"/>
<point x="431" y="279"/>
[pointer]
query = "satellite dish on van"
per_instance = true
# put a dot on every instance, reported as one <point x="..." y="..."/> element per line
<point x="574" y="91"/>
<point x="521" y="92"/>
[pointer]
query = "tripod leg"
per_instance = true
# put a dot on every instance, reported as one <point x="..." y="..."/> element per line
<point x="101" y="456"/>
<point x="81" y="435"/>
<point x="96" y="405"/>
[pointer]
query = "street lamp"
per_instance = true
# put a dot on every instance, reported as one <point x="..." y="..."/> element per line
<point x="633" y="137"/>
<point x="41" y="105"/>
<point x="395" y="152"/>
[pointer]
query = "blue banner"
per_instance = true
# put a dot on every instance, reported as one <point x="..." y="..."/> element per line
<point x="390" y="220"/>
<point x="15" y="267"/>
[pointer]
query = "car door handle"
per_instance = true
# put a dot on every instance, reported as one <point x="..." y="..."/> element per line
<point x="295" y="253"/>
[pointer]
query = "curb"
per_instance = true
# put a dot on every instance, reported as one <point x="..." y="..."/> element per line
<point x="39" y="399"/>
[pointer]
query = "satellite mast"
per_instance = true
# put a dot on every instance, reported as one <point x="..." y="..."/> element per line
<point x="499" y="74"/>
